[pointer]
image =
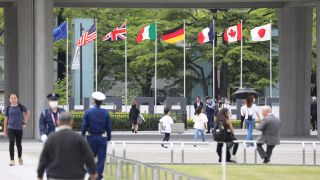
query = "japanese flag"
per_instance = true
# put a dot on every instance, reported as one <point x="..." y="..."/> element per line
<point x="233" y="33"/>
<point x="262" y="33"/>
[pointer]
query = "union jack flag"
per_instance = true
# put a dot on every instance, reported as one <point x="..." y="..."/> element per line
<point x="118" y="33"/>
<point x="88" y="36"/>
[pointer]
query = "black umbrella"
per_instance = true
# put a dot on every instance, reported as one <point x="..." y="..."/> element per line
<point x="244" y="93"/>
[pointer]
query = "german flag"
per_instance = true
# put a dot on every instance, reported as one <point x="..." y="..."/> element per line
<point x="174" y="35"/>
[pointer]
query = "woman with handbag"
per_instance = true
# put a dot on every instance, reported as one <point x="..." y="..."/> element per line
<point x="251" y="112"/>
<point x="223" y="120"/>
<point x="133" y="116"/>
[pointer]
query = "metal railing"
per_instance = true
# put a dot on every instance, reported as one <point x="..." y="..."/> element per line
<point x="241" y="142"/>
<point x="122" y="168"/>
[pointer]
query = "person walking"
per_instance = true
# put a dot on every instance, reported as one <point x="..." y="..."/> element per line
<point x="224" y="118"/>
<point x="15" y="119"/>
<point x="243" y="113"/>
<point x="251" y="112"/>
<point x="314" y="113"/>
<point x="65" y="154"/>
<point x="210" y="113"/>
<point x="49" y="117"/>
<point x="200" y="124"/>
<point x="197" y="104"/>
<point x="270" y="126"/>
<point x="133" y="116"/>
<point x="165" y="125"/>
<point x="96" y="122"/>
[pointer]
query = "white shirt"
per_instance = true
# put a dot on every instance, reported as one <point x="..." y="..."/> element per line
<point x="251" y="111"/>
<point x="243" y="110"/>
<point x="166" y="123"/>
<point x="199" y="121"/>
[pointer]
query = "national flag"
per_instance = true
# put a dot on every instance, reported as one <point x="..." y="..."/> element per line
<point x="233" y="34"/>
<point x="174" y="35"/>
<point x="148" y="32"/>
<point x="118" y="33"/>
<point x="60" y="32"/>
<point x="88" y="36"/>
<point x="262" y="33"/>
<point x="206" y="35"/>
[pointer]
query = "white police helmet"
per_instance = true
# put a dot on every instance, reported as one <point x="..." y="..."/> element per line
<point x="99" y="96"/>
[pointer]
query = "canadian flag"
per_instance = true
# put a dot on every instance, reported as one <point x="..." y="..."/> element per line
<point x="233" y="33"/>
<point x="262" y="33"/>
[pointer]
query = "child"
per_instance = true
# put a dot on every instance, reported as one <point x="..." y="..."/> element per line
<point x="165" y="125"/>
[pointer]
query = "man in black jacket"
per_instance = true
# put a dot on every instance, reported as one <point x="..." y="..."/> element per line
<point x="65" y="153"/>
<point x="197" y="104"/>
<point x="314" y="113"/>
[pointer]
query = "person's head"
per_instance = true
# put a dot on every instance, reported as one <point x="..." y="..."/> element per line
<point x="208" y="98"/>
<point x="199" y="110"/>
<point x="250" y="101"/>
<point x="244" y="102"/>
<point x="226" y="101"/>
<point x="98" y="98"/>
<point x="314" y="99"/>
<point x="133" y="105"/>
<point x="167" y="111"/>
<point x="198" y="99"/>
<point x="53" y="100"/>
<point x="265" y="110"/>
<point x="13" y="98"/>
<point x="66" y="119"/>
<point x="223" y="114"/>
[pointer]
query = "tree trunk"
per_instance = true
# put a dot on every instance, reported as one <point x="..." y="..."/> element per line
<point x="224" y="80"/>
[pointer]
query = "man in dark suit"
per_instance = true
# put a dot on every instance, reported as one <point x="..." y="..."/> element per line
<point x="314" y="113"/>
<point x="210" y="113"/>
<point x="270" y="126"/>
<point x="197" y="104"/>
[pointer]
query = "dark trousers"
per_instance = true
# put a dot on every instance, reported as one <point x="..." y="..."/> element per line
<point x="265" y="154"/>
<point x="241" y="122"/>
<point x="98" y="146"/>
<point x="234" y="147"/>
<point x="166" y="137"/>
<point x="210" y="122"/>
<point x="219" y="151"/>
<point x="314" y="122"/>
<point x="15" y="137"/>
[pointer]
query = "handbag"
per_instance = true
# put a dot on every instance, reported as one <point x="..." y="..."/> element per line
<point x="250" y="117"/>
<point x="140" y="119"/>
<point x="220" y="132"/>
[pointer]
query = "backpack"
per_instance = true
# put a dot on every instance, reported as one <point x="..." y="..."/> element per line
<point x="220" y="132"/>
<point x="20" y="106"/>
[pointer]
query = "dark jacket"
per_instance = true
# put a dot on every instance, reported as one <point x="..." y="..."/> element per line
<point x="195" y="105"/>
<point x="314" y="109"/>
<point x="133" y="115"/>
<point x="64" y="155"/>
<point x="46" y="123"/>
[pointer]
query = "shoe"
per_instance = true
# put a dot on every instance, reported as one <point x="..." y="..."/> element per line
<point x="132" y="130"/>
<point x="266" y="161"/>
<point x="207" y="132"/>
<point x="135" y="132"/>
<point x="20" y="161"/>
<point x="194" y="145"/>
<point x="11" y="163"/>
<point x="233" y="159"/>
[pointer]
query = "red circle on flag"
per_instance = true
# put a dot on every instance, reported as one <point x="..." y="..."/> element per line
<point x="262" y="32"/>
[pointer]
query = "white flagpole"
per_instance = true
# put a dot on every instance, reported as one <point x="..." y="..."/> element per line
<point x="96" y="67"/>
<point x="241" y="58"/>
<point x="126" y="67"/>
<point x="155" y="64"/>
<point x="271" y="59"/>
<point x="67" y="64"/>
<point x="184" y="59"/>
<point x="213" y="62"/>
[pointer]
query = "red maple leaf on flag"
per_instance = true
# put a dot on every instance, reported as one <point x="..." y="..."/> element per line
<point x="232" y="33"/>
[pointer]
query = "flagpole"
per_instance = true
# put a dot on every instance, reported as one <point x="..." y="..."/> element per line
<point x="155" y="64"/>
<point x="241" y="58"/>
<point x="126" y="67"/>
<point x="271" y="58"/>
<point x="184" y="59"/>
<point x="96" y="58"/>
<point x="213" y="62"/>
<point x="67" y="64"/>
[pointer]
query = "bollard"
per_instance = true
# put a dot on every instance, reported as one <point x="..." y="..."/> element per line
<point x="303" y="153"/>
<point x="182" y="153"/>
<point x="244" y="153"/>
<point x="255" y="153"/>
<point x="124" y="150"/>
<point x="314" y="153"/>
<point x="113" y="148"/>
<point x="119" y="170"/>
<point x="223" y="162"/>
<point x="171" y="147"/>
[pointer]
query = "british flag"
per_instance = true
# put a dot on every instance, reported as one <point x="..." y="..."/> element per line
<point x="88" y="36"/>
<point x="118" y="33"/>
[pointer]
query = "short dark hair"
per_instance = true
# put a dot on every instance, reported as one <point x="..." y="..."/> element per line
<point x="98" y="103"/>
<point x="14" y="93"/>
<point x="166" y="110"/>
<point x="65" y="118"/>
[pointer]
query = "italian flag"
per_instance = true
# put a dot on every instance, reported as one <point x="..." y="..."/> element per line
<point x="148" y="32"/>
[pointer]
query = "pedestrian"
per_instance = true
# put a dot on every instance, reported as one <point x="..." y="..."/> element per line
<point x="49" y="117"/>
<point x="96" y="122"/>
<point x="224" y="118"/>
<point x="243" y="113"/>
<point x="270" y="126"/>
<point x="15" y="119"/>
<point x="200" y="124"/>
<point x="314" y="113"/>
<point x="251" y="112"/>
<point x="209" y="112"/>
<point x="65" y="154"/>
<point x="197" y="104"/>
<point x="226" y="104"/>
<point x="133" y="116"/>
<point x="165" y="125"/>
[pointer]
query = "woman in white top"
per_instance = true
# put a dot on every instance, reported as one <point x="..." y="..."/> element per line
<point x="165" y="125"/>
<point x="251" y="112"/>
<point x="200" y="123"/>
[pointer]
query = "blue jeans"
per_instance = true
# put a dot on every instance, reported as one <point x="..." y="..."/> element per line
<point x="202" y="135"/>
<point x="250" y="127"/>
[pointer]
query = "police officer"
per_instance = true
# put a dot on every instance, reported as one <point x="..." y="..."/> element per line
<point x="96" y="122"/>
<point x="49" y="118"/>
<point x="209" y="112"/>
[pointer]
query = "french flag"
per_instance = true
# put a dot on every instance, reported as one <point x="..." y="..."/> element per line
<point x="206" y="35"/>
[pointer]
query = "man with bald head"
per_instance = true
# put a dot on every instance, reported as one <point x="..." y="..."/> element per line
<point x="270" y="127"/>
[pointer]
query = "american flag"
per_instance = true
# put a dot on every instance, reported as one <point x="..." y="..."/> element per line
<point x="88" y="36"/>
<point x="118" y="33"/>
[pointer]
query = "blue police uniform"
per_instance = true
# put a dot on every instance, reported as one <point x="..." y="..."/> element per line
<point x="48" y="121"/>
<point x="97" y="123"/>
<point x="210" y="114"/>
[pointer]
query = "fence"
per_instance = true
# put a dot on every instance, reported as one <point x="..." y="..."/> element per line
<point x="121" y="168"/>
<point x="242" y="144"/>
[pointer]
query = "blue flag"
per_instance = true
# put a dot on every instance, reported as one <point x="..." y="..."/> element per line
<point x="60" y="32"/>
